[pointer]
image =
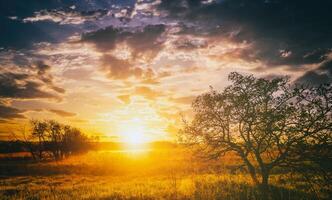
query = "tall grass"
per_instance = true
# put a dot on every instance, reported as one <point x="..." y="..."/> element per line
<point x="204" y="186"/>
<point x="159" y="174"/>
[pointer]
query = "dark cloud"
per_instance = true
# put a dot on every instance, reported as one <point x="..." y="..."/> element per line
<point x="20" y="86"/>
<point x="105" y="39"/>
<point x="16" y="34"/>
<point x="321" y="75"/>
<point x="147" y="40"/>
<point x="281" y="32"/>
<point x="62" y="113"/>
<point x="144" y="41"/>
<point x="7" y="112"/>
<point x="19" y="35"/>
<point x="141" y="40"/>
<point x="44" y="75"/>
<point x="27" y="8"/>
<point x="42" y="68"/>
<point x="30" y="83"/>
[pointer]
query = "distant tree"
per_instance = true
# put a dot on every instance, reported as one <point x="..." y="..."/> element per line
<point x="55" y="136"/>
<point x="12" y="146"/>
<point x="56" y="139"/>
<point x="267" y="123"/>
<point x="74" y="141"/>
<point x="39" y="129"/>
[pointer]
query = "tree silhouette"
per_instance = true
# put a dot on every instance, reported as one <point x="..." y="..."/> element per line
<point x="267" y="123"/>
<point x="38" y="131"/>
<point x="56" y="139"/>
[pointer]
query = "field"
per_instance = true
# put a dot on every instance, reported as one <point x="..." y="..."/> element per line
<point x="203" y="186"/>
<point x="156" y="174"/>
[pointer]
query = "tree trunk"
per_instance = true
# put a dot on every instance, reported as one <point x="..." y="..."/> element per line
<point x="253" y="176"/>
<point x="251" y="170"/>
<point x="264" y="186"/>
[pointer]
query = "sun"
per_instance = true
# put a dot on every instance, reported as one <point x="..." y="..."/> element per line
<point x="133" y="133"/>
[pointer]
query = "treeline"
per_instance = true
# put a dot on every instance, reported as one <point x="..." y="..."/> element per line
<point x="14" y="146"/>
<point x="51" y="139"/>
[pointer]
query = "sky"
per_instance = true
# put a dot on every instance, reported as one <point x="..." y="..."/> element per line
<point x="113" y="67"/>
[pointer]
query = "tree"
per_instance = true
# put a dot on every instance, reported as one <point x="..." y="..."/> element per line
<point x="267" y="123"/>
<point x="56" y="139"/>
<point x="39" y="131"/>
<point x="74" y="141"/>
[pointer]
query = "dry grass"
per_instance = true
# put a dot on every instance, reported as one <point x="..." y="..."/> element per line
<point x="130" y="187"/>
<point x="159" y="174"/>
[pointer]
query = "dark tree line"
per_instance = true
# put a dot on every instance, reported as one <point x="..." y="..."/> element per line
<point x="11" y="146"/>
<point x="269" y="124"/>
<point x="51" y="139"/>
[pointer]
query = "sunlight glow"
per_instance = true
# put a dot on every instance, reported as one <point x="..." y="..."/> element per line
<point x="133" y="134"/>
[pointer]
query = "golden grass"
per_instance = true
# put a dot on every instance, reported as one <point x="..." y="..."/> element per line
<point x="204" y="186"/>
<point x="158" y="174"/>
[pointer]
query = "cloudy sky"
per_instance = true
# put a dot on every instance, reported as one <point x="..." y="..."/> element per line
<point x="104" y="65"/>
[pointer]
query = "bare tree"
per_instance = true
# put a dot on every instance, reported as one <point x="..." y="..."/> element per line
<point x="267" y="123"/>
<point x="26" y="141"/>
<point x="38" y="131"/>
<point x="55" y="135"/>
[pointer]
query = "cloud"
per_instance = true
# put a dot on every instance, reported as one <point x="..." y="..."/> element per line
<point x="7" y="112"/>
<point x="186" y="43"/>
<point x="31" y="82"/>
<point x="124" y="98"/>
<point x="19" y="35"/>
<point x="66" y="16"/>
<point x="62" y="113"/>
<point x="20" y="86"/>
<point x="119" y="69"/>
<point x="104" y="39"/>
<point x="116" y="68"/>
<point x="183" y="100"/>
<point x="280" y="32"/>
<point x="147" y="92"/>
<point x="169" y="115"/>
<point x="151" y="81"/>
<point x="321" y="75"/>
<point x="146" y="40"/>
<point x="80" y="121"/>
<point x="78" y="74"/>
<point x="139" y="43"/>
<point x="42" y="68"/>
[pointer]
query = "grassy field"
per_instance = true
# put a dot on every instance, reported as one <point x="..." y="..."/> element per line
<point x="157" y="174"/>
